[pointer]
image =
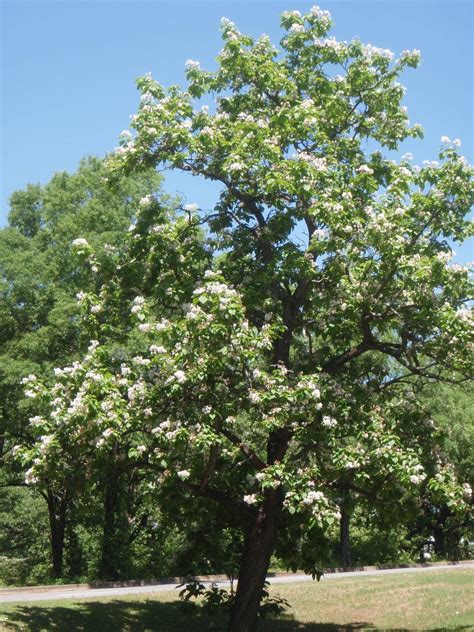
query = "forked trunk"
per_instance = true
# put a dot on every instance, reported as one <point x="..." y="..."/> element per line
<point x="259" y="545"/>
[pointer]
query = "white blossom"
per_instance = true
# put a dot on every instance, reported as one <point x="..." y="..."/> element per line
<point x="192" y="65"/>
<point x="184" y="474"/>
<point x="30" y="477"/>
<point x="312" y="497"/>
<point x="146" y="200"/>
<point x="250" y="499"/>
<point x="320" y="14"/>
<point x="80" y="242"/>
<point x="329" y="422"/>
<point x="296" y="28"/>
<point x="191" y="208"/>
<point x="179" y="376"/>
<point x="156" y="349"/>
<point x="226" y="23"/>
<point x="236" y="166"/>
<point x="254" y="397"/>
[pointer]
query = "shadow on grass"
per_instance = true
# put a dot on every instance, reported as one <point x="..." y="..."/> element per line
<point x="149" y="616"/>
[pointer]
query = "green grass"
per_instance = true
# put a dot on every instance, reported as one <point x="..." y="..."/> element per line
<point x="435" y="600"/>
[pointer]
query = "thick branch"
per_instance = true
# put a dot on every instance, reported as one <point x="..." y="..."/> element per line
<point x="244" y="448"/>
<point x="237" y="508"/>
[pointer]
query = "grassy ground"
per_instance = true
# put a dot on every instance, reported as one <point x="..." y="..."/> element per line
<point x="435" y="600"/>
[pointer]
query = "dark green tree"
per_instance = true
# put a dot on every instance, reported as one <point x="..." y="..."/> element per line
<point x="40" y="325"/>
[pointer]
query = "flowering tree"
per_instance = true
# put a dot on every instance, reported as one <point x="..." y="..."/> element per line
<point x="275" y="356"/>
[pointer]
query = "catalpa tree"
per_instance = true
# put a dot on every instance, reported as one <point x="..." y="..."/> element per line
<point x="272" y="361"/>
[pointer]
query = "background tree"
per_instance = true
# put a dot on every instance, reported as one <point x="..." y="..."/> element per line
<point x="40" y="321"/>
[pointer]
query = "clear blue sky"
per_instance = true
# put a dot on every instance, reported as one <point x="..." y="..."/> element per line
<point x="68" y="71"/>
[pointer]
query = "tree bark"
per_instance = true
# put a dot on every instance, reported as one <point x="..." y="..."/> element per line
<point x="57" y="510"/>
<point x="115" y="537"/>
<point x="344" y="537"/>
<point x="259" y="544"/>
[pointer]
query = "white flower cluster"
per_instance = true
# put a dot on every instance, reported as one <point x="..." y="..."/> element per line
<point x="320" y="234"/>
<point x="314" y="497"/>
<point x="157" y="349"/>
<point x="373" y="51"/>
<point x="215" y="287"/>
<point x="146" y="200"/>
<point x="329" y="422"/>
<point x="138" y="304"/>
<point x="191" y="208"/>
<point x="237" y="166"/>
<point x="250" y="499"/>
<point x="411" y="54"/>
<point x="330" y="43"/>
<point x="291" y="14"/>
<point x="447" y="141"/>
<point x="30" y="477"/>
<point x="123" y="150"/>
<point x="418" y="475"/>
<point x="296" y="28"/>
<point x="192" y="65"/>
<point x="179" y="376"/>
<point x="314" y="161"/>
<point x="80" y="242"/>
<point x="319" y="14"/>
<point x="226" y="24"/>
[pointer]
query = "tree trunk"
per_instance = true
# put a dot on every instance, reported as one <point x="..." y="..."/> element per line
<point x="259" y="545"/>
<point x="74" y="553"/>
<point x="344" y="537"/>
<point x="57" y="510"/>
<point x="115" y="538"/>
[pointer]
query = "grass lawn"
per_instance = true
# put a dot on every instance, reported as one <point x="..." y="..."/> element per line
<point x="435" y="600"/>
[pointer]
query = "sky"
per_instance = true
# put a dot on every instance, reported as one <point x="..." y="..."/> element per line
<point x="68" y="71"/>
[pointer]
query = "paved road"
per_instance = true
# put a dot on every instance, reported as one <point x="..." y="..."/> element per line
<point x="87" y="593"/>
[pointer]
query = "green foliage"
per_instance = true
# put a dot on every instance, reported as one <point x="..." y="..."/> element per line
<point x="215" y="600"/>
<point x="23" y="536"/>
<point x="41" y="327"/>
